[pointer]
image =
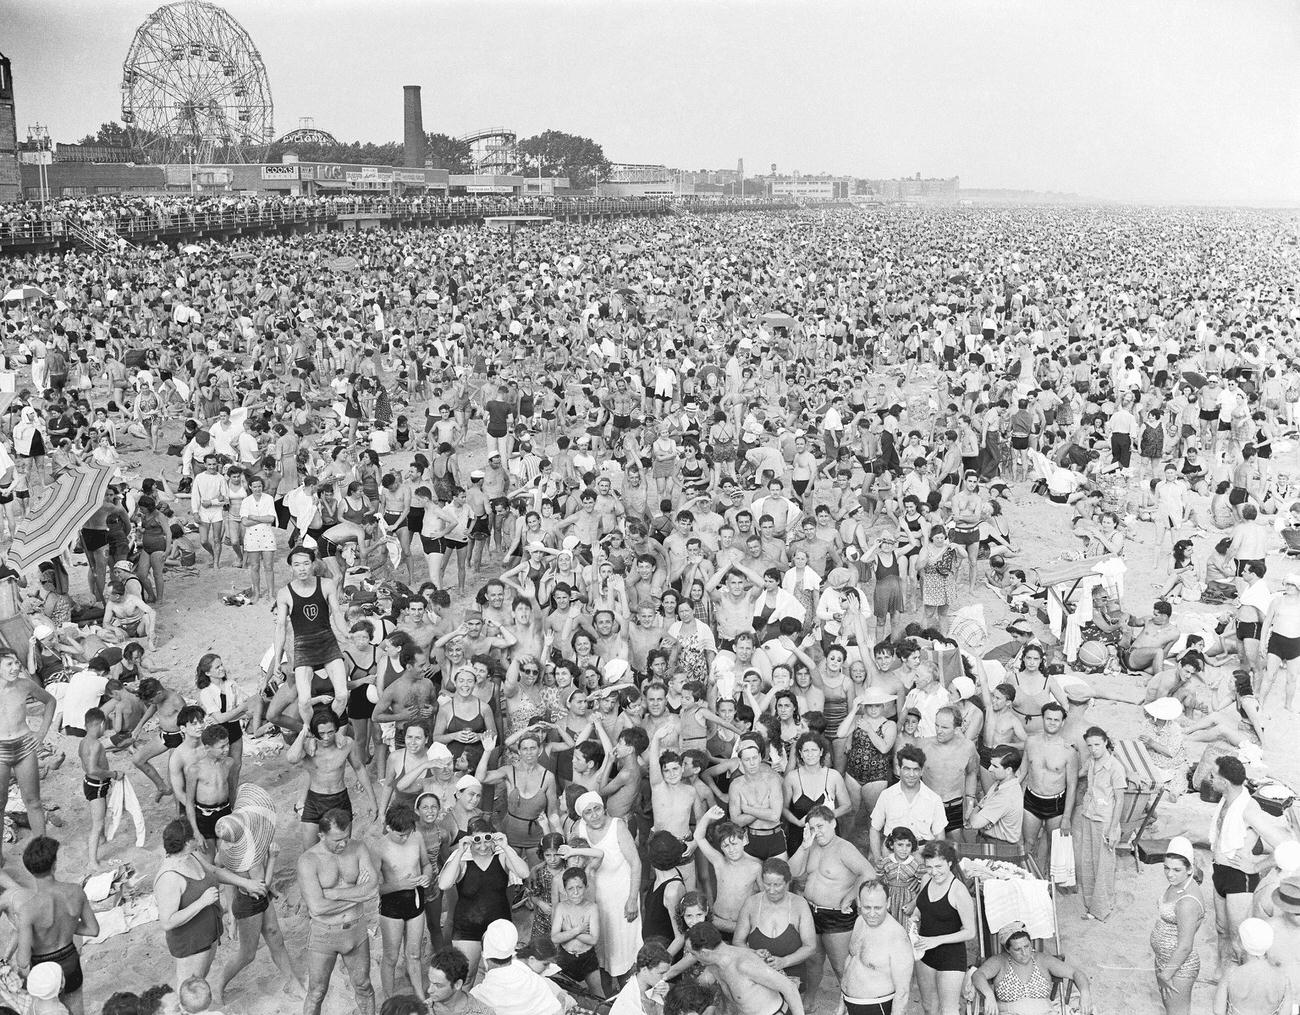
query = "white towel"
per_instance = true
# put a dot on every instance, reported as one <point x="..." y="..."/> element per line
<point x="1023" y="900"/>
<point x="1232" y="833"/>
<point x="121" y="797"/>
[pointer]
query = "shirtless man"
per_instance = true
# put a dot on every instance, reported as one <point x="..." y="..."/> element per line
<point x="754" y="800"/>
<point x="190" y="721"/>
<point x="1281" y="640"/>
<point x="878" y="975"/>
<point x="751" y="985"/>
<point x="404" y="876"/>
<point x="950" y="770"/>
<point x="126" y="614"/>
<point x="835" y="869"/>
<point x="310" y="608"/>
<point x="1050" y="774"/>
<point x="17" y="741"/>
<point x="657" y="716"/>
<point x="326" y="756"/>
<point x="967" y="513"/>
<point x="337" y="878"/>
<point x="48" y="916"/>
<point x="209" y="786"/>
<point x="1146" y="653"/>
<point x="1003" y="727"/>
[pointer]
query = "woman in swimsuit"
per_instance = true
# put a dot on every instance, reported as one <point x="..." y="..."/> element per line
<point x="413" y="758"/>
<point x="777" y="923"/>
<point x="808" y="784"/>
<point x="532" y="804"/>
<point x="1019" y="980"/>
<point x="947" y="922"/>
<point x="362" y="660"/>
<point x="871" y="740"/>
<point x="17" y="741"/>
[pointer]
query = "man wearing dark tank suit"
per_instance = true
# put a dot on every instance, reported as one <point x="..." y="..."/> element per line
<point x="310" y="608"/>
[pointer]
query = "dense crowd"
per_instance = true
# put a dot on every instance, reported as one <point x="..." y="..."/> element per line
<point x="628" y="582"/>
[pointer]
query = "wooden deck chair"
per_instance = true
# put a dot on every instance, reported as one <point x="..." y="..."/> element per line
<point x="1141" y="798"/>
<point x="988" y="945"/>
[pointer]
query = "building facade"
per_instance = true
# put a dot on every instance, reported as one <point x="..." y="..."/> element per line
<point x="10" y="178"/>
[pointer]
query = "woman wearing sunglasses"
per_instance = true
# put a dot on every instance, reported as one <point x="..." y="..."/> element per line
<point x="479" y="868"/>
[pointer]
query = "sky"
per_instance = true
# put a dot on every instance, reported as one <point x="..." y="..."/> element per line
<point x="1185" y="101"/>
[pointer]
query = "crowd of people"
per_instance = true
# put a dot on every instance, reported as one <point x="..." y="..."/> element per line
<point x="615" y="576"/>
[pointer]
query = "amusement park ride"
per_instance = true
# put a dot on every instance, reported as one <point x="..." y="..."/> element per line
<point x="194" y="88"/>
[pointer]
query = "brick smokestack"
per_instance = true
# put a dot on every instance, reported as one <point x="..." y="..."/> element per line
<point x="414" y="140"/>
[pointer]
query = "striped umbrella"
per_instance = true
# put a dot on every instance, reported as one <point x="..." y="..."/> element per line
<point x="247" y="832"/>
<point x="53" y="525"/>
<point x="23" y="293"/>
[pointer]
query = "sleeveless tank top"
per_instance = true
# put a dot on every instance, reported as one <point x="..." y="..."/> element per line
<point x="655" y="920"/>
<point x="199" y="933"/>
<point x="309" y="616"/>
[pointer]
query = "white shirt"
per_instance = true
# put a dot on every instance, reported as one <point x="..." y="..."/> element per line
<point x="923" y="814"/>
<point x="517" y="990"/>
<point x="84" y="691"/>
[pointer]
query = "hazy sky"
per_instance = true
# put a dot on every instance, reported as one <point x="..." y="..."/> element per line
<point x="1154" y="100"/>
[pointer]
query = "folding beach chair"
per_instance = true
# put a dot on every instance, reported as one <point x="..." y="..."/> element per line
<point x="1141" y="797"/>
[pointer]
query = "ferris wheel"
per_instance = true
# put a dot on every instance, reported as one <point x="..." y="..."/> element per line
<point x="194" y="88"/>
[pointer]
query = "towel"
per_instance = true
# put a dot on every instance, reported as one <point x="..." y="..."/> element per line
<point x="120" y="919"/>
<point x="1020" y="899"/>
<point x="1232" y="833"/>
<point x="121" y="797"/>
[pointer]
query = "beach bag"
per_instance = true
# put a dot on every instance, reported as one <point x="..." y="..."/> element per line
<point x="1062" y="860"/>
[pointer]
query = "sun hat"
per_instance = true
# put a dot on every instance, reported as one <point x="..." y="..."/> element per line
<point x="1165" y="709"/>
<point x="1286" y="896"/>
<point x="876" y="696"/>
<point x="838" y="578"/>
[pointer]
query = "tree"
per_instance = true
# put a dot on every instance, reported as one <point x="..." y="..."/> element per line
<point x="449" y="153"/>
<point x="555" y="153"/>
<point x="110" y="135"/>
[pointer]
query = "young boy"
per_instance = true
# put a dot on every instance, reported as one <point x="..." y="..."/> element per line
<point x="575" y="928"/>
<point x="96" y="780"/>
<point x="404" y="876"/>
<point x="736" y="872"/>
<point x="208" y="792"/>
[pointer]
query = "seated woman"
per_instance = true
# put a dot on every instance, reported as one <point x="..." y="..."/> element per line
<point x="1230" y="727"/>
<point x="1019" y="981"/>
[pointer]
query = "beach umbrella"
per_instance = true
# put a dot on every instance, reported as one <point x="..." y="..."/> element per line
<point x="53" y="526"/>
<point x="1194" y="379"/>
<point x="247" y="832"/>
<point x="24" y="293"/>
<point x="191" y="248"/>
<point x="778" y="320"/>
<point x="345" y="263"/>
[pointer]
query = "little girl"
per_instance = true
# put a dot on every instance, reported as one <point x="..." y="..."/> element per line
<point x="540" y="883"/>
<point x="901" y="871"/>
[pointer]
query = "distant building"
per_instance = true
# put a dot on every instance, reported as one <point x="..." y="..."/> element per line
<point x="91" y="153"/>
<point x="809" y="188"/>
<point x="10" y="182"/>
<point x="912" y="188"/>
<point x="629" y="179"/>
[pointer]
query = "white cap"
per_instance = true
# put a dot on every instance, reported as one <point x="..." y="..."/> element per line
<point x="1256" y="936"/>
<point x="963" y="687"/>
<point x="500" y="940"/>
<point x="1180" y="845"/>
<point x="45" y="981"/>
<point x="1165" y="709"/>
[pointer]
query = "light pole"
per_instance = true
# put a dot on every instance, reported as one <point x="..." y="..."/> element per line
<point x="189" y="153"/>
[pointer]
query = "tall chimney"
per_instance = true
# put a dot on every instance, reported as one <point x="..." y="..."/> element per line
<point x="414" y="140"/>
